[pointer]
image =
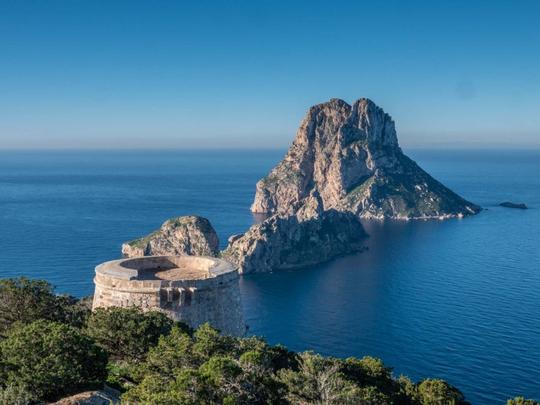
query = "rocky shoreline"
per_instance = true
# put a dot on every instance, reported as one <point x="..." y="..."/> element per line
<point x="309" y="236"/>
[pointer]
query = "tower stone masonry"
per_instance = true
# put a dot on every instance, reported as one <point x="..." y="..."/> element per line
<point x="192" y="289"/>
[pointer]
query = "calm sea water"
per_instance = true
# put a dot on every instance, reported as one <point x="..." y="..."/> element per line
<point x="456" y="299"/>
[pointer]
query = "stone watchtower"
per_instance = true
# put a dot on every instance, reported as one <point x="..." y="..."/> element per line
<point x="192" y="289"/>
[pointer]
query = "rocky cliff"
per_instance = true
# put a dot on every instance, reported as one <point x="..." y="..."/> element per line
<point x="310" y="236"/>
<point x="350" y="155"/>
<point x="189" y="235"/>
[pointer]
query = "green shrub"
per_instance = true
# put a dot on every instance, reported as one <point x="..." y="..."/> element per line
<point x="407" y="391"/>
<point x="122" y="375"/>
<point x="438" y="392"/>
<point x="367" y="371"/>
<point x="50" y="359"/>
<point x="127" y="333"/>
<point x="209" y="342"/>
<point x="15" y="394"/>
<point x="25" y="301"/>
<point x="319" y="381"/>
<point x="172" y="353"/>
<point x="522" y="401"/>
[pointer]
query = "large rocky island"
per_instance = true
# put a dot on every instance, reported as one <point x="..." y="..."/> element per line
<point x="350" y="155"/>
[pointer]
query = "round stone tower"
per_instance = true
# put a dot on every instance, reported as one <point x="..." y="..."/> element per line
<point x="192" y="289"/>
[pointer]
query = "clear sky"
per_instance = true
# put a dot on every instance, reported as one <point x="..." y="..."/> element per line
<point x="138" y="74"/>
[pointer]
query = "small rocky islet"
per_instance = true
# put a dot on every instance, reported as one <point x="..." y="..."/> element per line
<point x="188" y="235"/>
<point x="508" y="204"/>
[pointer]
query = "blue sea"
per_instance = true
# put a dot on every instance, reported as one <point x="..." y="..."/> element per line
<point x="456" y="299"/>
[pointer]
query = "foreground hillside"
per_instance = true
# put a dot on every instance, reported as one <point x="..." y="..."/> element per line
<point x="53" y="346"/>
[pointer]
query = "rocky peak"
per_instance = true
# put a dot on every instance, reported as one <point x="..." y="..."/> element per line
<point x="188" y="235"/>
<point x="368" y="121"/>
<point x="350" y="156"/>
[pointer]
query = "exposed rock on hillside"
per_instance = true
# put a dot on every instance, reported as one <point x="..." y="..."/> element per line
<point x="308" y="237"/>
<point x="91" y="398"/>
<point x="189" y="235"/>
<point x="351" y="157"/>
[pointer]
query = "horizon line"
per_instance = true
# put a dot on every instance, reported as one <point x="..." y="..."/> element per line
<point x="476" y="147"/>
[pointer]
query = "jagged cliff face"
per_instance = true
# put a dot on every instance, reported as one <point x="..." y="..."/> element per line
<point x="189" y="235"/>
<point x="308" y="237"/>
<point x="350" y="155"/>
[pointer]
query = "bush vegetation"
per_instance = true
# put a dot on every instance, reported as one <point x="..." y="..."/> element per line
<point x="52" y="346"/>
<point x="50" y="359"/>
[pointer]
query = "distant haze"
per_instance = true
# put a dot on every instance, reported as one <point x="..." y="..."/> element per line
<point x="216" y="74"/>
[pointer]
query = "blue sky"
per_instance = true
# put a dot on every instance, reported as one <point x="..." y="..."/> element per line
<point x="173" y="74"/>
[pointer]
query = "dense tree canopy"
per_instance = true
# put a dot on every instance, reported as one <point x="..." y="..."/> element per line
<point x="127" y="333"/>
<point x="23" y="300"/>
<point x="50" y="359"/>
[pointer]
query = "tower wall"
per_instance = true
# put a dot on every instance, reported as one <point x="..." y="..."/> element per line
<point x="215" y="299"/>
